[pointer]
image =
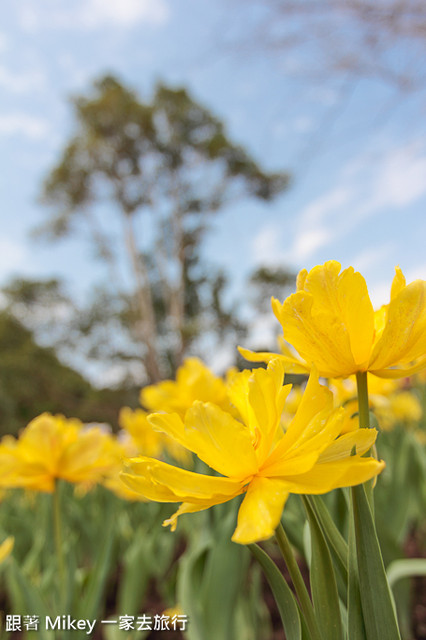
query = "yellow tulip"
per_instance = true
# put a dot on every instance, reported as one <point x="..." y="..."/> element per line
<point x="254" y="456"/>
<point x="331" y="323"/>
<point x="119" y="448"/>
<point x="52" y="448"/>
<point x="194" y="381"/>
<point x="147" y="441"/>
<point x="389" y="400"/>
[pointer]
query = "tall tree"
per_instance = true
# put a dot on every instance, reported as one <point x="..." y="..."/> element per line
<point x="144" y="177"/>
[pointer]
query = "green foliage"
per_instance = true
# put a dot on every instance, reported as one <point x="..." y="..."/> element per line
<point x="323" y="582"/>
<point x="112" y="566"/>
<point x="287" y="605"/>
<point x="33" y="380"/>
<point x="215" y="584"/>
<point x="268" y="282"/>
<point x="376" y="601"/>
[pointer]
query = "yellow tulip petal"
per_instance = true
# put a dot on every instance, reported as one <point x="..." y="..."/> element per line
<point x="343" y="300"/>
<point x="156" y="396"/>
<point x="178" y="484"/>
<point x="361" y="439"/>
<point x="400" y="372"/>
<point x="321" y="282"/>
<point x="404" y="337"/>
<point x="301" y="278"/>
<point x="398" y="283"/>
<point x="172" y="425"/>
<point x="220" y="441"/>
<point x="380" y="318"/>
<point x="287" y="351"/>
<point x="8" y="462"/>
<point x="314" y="439"/>
<point x="357" y="313"/>
<point x="144" y="486"/>
<point x="194" y="381"/>
<point x="287" y="466"/>
<point x="260" y="511"/>
<point x="266" y="396"/>
<point x="83" y="456"/>
<point x="332" y="475"/>
<point x="238" y="386"/>
<point x="202" y="384"/>
<point x="315" y="400"/>
<point x="291" y="365"/>
<point x="188" y="507"/>
<point x="319" y="338"/>
<point x="34" y="478"/>
<point x="148" y="440"/>
<point x="406" y="407"/>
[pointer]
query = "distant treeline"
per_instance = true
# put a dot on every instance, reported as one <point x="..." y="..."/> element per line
<point x="33" y="380"/>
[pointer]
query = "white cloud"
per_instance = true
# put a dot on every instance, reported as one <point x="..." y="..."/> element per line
<point x="372" y="256"/>
<point x="308" y="241"/>
<point x="380" y="293"/>
<point x="23" y="124"/>
<point x="401" y="178"/>
<point x="364" y="190"/>
<point x="94" y="14"/>
<point x="125" y="13"/>
<point x="317" y="226"/>
<point x="318" y="223"/>
<point x="416" y="273"/>
<point x="323" y="206"/>
<point x="394" y="180"/>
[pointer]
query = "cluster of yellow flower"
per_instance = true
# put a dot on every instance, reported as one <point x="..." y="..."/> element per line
<point x="50" y="448"/>
<point x="54" y="448"/>
<point x="256" y="435"/>
<point x="333" y="332"/>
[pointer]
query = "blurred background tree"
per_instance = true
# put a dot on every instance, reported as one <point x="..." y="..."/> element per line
<point x="355" y="38"/>
<point x="268" y="282"/>
<point x="34" y="380"/>
<point x="340" y="46"/>
<point x="141" y="180"/>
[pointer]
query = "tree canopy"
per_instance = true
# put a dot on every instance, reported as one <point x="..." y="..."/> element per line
<point x="142" y="179"/>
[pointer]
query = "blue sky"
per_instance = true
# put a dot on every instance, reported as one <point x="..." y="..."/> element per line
<point x="356" y="148"/>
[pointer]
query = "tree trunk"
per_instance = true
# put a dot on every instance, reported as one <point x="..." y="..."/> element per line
<point x="146" y="328"/>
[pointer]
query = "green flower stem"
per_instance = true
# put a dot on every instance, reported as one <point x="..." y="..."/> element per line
<point x="58" y="540"/>
<point x="298" y="582"/>
<point x="374" y="591"/>
<point x="364" y="423"/>
<point x="363" y="407"/>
